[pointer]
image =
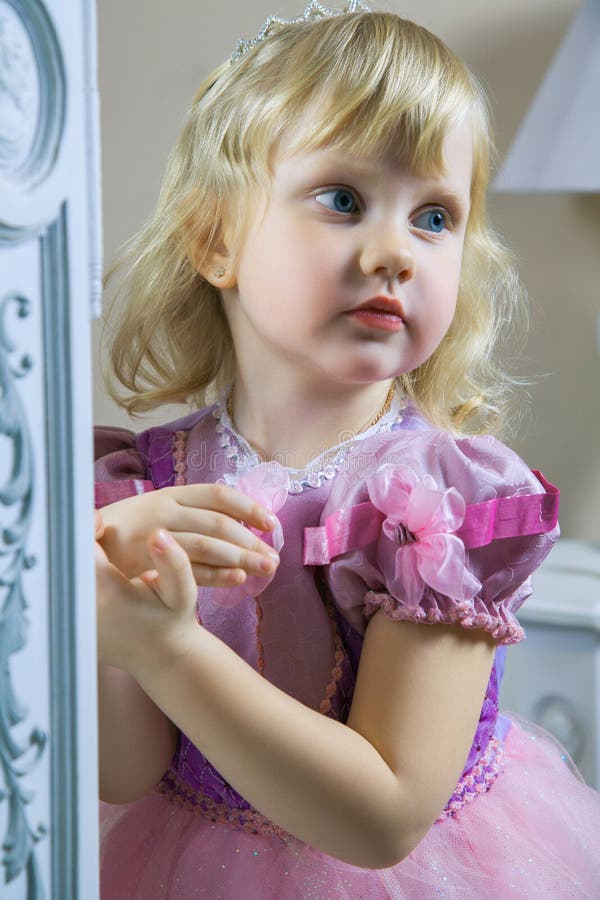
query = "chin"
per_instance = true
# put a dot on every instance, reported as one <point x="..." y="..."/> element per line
<point x="375" y="377"/>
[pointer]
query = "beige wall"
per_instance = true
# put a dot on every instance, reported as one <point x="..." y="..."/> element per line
<point x="151" y="59"/>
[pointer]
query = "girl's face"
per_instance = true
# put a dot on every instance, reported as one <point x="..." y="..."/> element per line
<point x="339" y="232"/>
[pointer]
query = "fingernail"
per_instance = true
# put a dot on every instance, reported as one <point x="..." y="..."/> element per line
<point x="270" y="520"/>
<point x="162" y="541"/>
<point x="267" y="564"/>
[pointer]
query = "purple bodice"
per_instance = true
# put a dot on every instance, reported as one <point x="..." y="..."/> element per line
<point x="304" y="631"/>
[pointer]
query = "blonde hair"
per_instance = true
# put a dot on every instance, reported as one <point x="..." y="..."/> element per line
<point x="377" y="84"/>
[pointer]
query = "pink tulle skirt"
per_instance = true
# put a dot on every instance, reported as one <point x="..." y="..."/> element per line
<point x="534" y="834"/>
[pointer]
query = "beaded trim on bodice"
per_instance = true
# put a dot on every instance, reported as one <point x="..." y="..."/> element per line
<point x="324" y="466"/>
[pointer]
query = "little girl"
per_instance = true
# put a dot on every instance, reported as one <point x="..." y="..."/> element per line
<point x="306" y="588"/>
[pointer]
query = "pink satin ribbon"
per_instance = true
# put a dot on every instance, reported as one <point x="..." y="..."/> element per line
<point x="359" y="525"/>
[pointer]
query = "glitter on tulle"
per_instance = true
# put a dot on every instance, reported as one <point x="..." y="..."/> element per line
<point x="513" y="842"/>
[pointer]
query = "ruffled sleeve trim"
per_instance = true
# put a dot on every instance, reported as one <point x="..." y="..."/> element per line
<point x="435" y="609"/>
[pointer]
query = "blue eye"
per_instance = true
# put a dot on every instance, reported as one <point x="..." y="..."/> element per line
<point x="344" y="200"/>
<point x="432" y="220"/>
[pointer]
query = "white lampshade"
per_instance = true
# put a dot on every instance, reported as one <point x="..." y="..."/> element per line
<point x="557" y="147"/>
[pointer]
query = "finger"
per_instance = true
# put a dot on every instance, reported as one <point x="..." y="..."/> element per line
<point x="208" y="551"/>
<point x="174" y="583"/>
<point x="98" y="524"/>
<point x="224" y="499"/>
<point x="216" y="525"/>
<point x="215" y="576"/>
<point x="149" y="578"/>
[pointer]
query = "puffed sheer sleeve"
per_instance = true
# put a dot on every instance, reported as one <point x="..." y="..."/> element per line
<point x="120" y="469"/>
<point x="435" y="529"/>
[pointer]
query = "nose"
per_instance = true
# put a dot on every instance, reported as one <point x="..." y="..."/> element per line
<point x="387" y="252"/>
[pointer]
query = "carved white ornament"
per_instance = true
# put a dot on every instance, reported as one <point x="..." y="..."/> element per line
<point x="19" y="92"/>
<point x="32" y="94"/>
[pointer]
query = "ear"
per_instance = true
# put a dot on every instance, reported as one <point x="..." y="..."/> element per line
<point x="218" y="268"/>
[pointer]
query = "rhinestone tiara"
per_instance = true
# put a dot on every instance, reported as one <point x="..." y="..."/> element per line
<point x="313" y="11"/>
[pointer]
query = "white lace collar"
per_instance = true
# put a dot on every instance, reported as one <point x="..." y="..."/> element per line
<point x="323" y="466"/>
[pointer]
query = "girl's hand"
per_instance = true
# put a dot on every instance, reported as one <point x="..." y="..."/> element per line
<point x="150" y="619"/>
<point x="206" y="520"/>
<point x="98" y="524"/>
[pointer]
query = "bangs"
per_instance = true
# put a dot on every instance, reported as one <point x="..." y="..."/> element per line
<point x="411" y="135"/>
<point x="371" y="84"/>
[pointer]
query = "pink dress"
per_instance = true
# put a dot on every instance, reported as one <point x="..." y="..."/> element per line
<point x="432" y="529"/>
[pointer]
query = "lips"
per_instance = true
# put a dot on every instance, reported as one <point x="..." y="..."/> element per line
<point x="378" y="314"/>
<point x="387" y="305"/>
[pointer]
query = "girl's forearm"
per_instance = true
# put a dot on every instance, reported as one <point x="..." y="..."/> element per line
<point x="313" y="776"/>
<point x="136" y="739"/>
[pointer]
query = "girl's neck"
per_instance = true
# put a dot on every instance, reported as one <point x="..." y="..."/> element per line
<point x="294" y="428"/>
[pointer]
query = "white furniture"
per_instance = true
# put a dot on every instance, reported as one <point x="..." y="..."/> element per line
<point x="553" y="677"/>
